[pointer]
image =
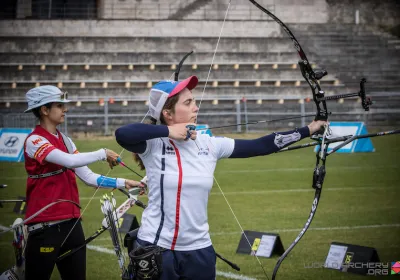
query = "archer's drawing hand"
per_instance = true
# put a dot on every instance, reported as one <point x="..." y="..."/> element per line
<point x="179" y="131"/>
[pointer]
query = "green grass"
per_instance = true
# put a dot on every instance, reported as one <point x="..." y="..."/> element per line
<point x="271" y="194"/>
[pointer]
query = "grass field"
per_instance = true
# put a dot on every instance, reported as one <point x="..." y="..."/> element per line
<point x="359" y="205"/>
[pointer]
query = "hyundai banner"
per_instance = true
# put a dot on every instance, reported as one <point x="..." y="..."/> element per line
<point x="12" y="143"/>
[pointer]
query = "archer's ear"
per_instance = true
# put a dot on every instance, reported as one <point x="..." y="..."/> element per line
<point x="44" y="111"/>
<point x="166" y="114"/>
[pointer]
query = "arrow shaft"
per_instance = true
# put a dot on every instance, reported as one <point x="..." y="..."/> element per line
<point x="257" y="122"/>
<point x="124" y="165"/>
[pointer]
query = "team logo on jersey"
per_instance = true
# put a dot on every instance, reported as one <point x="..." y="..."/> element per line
<point x="169" y="150"/>
<point x="203" y="151"/>
<point x="37" y="141"/>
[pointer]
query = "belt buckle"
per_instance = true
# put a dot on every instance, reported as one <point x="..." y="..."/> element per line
<point x="41" y="226"/>
<point x="33" y="228"/>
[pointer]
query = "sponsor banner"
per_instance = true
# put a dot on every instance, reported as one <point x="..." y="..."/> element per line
<point x="351" y="128"/>
<point x="12" y="143"/>
<point x="202" y="129"/>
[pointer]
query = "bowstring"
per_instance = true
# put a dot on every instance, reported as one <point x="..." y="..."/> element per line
<point x="90" y="200"/>
<point x="215" y="179"/>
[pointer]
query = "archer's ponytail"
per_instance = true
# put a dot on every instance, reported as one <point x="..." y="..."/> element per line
<point x="169" y="105"/>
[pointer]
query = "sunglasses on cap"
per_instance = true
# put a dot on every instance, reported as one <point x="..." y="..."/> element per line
<point x="64" y="95"/>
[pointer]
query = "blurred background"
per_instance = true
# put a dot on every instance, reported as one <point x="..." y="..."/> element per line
<point x="107" y="54"/>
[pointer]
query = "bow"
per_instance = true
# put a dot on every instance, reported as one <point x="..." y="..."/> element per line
<point x="90" y="200"/>
<point x="111" y="221"/>
<point x="20" y="238"/>
<point x="112" y="224"/>
<point x="132" y="200"/>
<point x="23" y="222"/>
<point x="312" y="77"/>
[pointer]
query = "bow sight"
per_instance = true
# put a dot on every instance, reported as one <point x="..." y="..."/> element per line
<point x="365" y="100"/>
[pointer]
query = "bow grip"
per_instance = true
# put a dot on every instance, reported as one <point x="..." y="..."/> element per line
<point x="365" y="101"/>
<point x="321" y="117"/>
<point x="190" y="127"/>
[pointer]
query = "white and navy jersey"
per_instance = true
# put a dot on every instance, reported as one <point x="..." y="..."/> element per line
<point x="180" y="177"/>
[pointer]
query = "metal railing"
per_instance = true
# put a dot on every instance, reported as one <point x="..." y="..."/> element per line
<point x="104" y="122"/>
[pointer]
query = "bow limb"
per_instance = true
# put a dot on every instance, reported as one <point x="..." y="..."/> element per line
<point x="308" y="73"/>
<point x="318" y="180"/>
<point x="178" y="69"/>
<point x="122" y="209"/>
<point x="38" y="213"/>
<point x="112" y="221"/>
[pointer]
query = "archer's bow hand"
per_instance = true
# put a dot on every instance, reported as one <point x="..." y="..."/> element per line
<point x="130" y="184"/>
<point x="143" y="186"/>
<point x="317" y="126"/>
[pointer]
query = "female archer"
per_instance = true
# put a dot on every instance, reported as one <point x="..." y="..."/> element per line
<point x="180" y="176"/>
<point x="52" y="161"/>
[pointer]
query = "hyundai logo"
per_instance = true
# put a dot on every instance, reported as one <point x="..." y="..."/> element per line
<point x="11" y="141"/>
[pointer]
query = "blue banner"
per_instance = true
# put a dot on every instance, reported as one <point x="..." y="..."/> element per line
<point x="203" y="129"/>
<point x="351" y="128"/>
<point x="12" y="143"/>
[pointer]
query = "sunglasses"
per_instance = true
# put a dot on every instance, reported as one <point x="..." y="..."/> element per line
<point x="64" y="96"/>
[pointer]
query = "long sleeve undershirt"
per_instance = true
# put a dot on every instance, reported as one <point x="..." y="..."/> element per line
<point x="133" y="138"/>
<point x="79" y="162"/>
<point x="75" y="160"/>
<point x="40" y="149"/>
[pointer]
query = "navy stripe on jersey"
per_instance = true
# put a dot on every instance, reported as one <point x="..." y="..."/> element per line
<point x="162" y="196"/>
<point x="163" y="148"/>
<point x="162" y="163"/>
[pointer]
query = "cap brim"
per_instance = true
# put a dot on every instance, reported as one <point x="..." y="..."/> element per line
<point x="63" y="101"/>
<point x="189" y="83"/>
<point x="39" y="105"/>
